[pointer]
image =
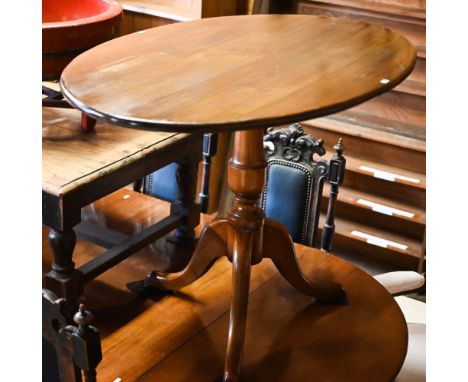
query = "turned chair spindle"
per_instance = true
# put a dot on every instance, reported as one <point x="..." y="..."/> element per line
<point x="162" y="183"/>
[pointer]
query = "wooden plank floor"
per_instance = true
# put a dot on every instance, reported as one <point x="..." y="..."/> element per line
<point x="182" y="337"/>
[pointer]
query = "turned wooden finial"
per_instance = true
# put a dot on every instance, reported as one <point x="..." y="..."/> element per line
<point x="336" y="172"/>
<point x="83" y="317"/>
<point x="339" y="147"/>
<point x="86" y="344"/>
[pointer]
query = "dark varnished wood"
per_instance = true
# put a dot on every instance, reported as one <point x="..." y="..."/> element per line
<point x="272" y="69"/>
<point x="241" y="266"/>
<point x="80" y="167"/>
<point x="239" y="73"/>
<point x="78" y="348"/>
<point x="280" y="249"/>
<point x="210" y="146"/>
<point x="246" y="239"/>
<point x="290" y="339"/>
<point x="211" y="245"/>
<point x="183" y="336"/>
<point x="291" y="148"/>
<point x="246" y="177"/>
<point x="335" y="178"/>
<point x="64" y="279"/>
<point x="186" y="177"/>
<point x="53" y="319"/>
<point x="122" y="251"/>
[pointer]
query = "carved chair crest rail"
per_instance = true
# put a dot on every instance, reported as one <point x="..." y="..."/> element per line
<point x="296" y="173"/>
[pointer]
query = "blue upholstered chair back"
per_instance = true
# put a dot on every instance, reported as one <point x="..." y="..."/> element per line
<point x="294" y="183"/>
<point x="162" y="184"/>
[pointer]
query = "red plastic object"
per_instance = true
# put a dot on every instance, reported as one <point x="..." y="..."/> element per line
<point x="69" y="27"/>
<point x="87" y="123"/>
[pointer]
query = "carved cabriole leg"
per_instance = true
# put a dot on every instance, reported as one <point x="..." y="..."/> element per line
<point x="210" y="144"/>
<point x="186" y="176"/>
<point x="241" y="264"/>
<point x="64" y="280"/>
<point x="279" y="248"/>
<point x="211" y="245"/>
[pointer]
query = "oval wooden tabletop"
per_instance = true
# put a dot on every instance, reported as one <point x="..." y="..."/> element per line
<point x="237" y="72"/>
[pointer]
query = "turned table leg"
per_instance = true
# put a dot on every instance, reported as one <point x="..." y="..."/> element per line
<point x="64" y="280"/>
<point x="241" y="264"/>
<point x="186" y="176"/>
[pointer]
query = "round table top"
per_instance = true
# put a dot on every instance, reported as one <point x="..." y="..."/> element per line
<point x="237" y="72"/>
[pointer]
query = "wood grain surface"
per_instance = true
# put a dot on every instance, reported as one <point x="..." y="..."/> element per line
<point x="182" y="337"/>
<point x="72" y="158"/>
<point x="237" y="72"/>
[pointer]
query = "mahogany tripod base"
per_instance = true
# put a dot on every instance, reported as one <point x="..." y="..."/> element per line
<point x="244" y="248"/>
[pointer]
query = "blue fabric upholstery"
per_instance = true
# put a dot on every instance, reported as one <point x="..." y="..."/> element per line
<point x="286" y="198"/>
<point x="162" y="183"/>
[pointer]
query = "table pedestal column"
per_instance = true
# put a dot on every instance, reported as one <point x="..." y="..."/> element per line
<point x="245" y="237"/>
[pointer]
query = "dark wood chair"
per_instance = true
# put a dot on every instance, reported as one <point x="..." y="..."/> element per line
<point x="293" y="193"/>
<point x="69" y="352"/>
<point x="294" y="184"/>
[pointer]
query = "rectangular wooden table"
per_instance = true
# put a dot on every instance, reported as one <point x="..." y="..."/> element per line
<point x="80" y="167"/>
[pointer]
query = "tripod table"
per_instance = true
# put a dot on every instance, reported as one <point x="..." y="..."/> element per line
<point x="242" y="74"/>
